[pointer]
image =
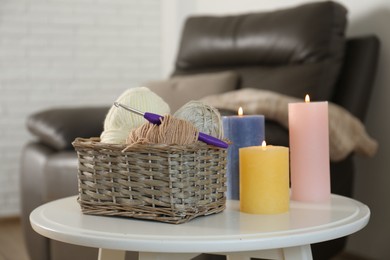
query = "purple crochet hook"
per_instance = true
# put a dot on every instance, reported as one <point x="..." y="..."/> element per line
<point x="156" y="119"/>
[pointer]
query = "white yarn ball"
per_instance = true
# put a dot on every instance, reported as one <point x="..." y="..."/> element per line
<point x="119" y="122"/>
<point x="205" y="118"/>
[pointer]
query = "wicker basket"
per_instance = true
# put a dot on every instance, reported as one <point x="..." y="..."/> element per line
<point x="172" y="184"/>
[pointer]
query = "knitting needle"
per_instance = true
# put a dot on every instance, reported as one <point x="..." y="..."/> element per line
<point x="156" y="119"/>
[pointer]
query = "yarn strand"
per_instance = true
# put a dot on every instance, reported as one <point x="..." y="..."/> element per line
<point x="171" y="131"/>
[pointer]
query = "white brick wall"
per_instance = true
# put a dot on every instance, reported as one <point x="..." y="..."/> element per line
<point x="67" y="53"/>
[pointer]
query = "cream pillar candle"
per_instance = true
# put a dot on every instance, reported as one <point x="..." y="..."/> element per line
<point x="264" y="179"/>
<point x="309" y="151"/>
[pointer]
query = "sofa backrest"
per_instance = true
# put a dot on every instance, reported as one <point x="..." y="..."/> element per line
<point x="293" y="51"/>
<point x="355" y="83"/>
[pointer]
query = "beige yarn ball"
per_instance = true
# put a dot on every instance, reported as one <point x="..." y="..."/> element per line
<point x="119" y="122"/>
<point x="205" y="118"/>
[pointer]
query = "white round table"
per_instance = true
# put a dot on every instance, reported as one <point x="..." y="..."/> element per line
<point x="232" y="233"/>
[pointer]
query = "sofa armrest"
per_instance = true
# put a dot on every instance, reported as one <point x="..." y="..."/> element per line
<point x="58" y="127"/>
<point x="33" y="160"/>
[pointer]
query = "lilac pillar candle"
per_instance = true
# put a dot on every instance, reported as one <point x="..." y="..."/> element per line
<point x="242" y="131"/>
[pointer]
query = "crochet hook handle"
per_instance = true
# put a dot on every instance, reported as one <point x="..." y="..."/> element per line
<point x="156" y="119"/>
<point x="153" y="118"/>
<point x="208" y="139"/>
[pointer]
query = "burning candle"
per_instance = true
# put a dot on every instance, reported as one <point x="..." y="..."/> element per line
<point x="309" y="147"/>
<point x="264" y="179"/>
<point x="242" y="131"/>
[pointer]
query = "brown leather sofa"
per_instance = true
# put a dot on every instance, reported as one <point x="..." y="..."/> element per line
<point x="292" y="51"/>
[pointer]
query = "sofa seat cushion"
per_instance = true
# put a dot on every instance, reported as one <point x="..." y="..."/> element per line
<point x="305" y="40"/>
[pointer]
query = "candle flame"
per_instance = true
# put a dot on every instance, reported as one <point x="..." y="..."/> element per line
<point x="240" y="111"/>
<point x="264" y="144"/>
<point x="307" y="98"/>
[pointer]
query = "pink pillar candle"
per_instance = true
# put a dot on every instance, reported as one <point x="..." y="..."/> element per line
<point x="309" y="151"/>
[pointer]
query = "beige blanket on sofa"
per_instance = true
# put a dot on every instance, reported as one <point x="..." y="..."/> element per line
<point x="346" y="133"/>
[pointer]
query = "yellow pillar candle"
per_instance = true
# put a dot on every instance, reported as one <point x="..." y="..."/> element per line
<point x="264" y="179"/>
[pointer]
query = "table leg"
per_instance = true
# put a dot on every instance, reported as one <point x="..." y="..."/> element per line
<point x="166" y="256"/>
<point x="237" y="257"/>
<point x="290" y="253"/>
<point x="261" y="254"/>
<point x="109" y="254"/>
<point x="298" y="253"/>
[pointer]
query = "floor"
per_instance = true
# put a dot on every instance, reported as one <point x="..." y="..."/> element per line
<point x="12" y="245"/>
<point x="11" y="241"/>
